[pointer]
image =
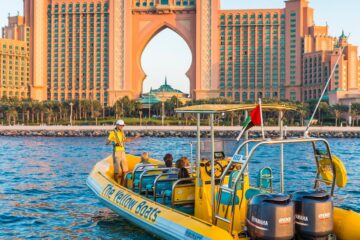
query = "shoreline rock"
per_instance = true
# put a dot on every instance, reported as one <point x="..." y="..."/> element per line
<point x="173" y="133"/>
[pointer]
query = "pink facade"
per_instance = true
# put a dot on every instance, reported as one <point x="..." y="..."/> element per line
<point x="92" y="49"/>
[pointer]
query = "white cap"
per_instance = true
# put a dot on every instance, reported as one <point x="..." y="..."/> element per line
<point x="120" y="122"/>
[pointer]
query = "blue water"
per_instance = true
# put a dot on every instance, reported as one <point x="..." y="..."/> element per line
<point x="43" y="192"/>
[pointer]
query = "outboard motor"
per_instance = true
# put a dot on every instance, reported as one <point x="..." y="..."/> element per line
<point x="313" y="214"/>
<point x="270" y="217"/>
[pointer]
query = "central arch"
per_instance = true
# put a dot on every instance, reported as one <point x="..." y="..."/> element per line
<point x="136" y="22"/>
<point x="173" y="61"/>
<point x="148" y="28"/>
<point x="190" y="69"/>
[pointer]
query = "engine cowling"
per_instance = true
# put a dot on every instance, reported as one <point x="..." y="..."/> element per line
<point x="313" y="214"/>
<point x="270" y="217"/>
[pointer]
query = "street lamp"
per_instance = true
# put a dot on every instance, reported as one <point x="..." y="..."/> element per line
<point x="140" y="115"/>
<point x="71" y="112"/>
<point x="149" y="105"/>
<point x="350" y="114"/>
<point x="163" y="113"/>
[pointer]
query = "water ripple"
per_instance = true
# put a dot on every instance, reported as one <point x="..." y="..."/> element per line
<point x="43" y="192"/>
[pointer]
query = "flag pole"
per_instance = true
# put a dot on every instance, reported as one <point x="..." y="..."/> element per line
<point x="262" y="122"/>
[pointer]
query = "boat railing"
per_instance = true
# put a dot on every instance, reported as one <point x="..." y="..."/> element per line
<point x="244" y="161"/>
<point x="183" y="182"/>
<point x="289" y="141"/>
<point x="150" y="173"/>
<point x="164" y="178"/>
<point x="138" y="170"/>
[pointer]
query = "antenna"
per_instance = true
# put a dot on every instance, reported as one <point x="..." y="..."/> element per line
<point x="306" y="133"/>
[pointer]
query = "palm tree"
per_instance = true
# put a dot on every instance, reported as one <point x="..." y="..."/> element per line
<point x="337" y="111"/>
<point x="353" y="113"/>
<point x="11" y="114"/>
<point x="96" y="115"/>
<point x="49" y="115"/>
<point x="323" y="108"/>
<point x="118" y="109"/>
<point x="303" y="111"/>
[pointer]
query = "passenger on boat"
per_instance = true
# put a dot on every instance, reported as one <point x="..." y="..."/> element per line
<point x="183" y="172"/>
<point x="145" y="158"/>
<point x="143" y="162"/>
<point x="186" y="161"/>
<point x="117" y="138"/>
<point x="168" y="159"/>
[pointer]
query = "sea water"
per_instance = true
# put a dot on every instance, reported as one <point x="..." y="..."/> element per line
<point x="43" y="192"/>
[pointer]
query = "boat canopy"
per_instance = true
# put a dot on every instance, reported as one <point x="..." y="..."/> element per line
<point x="220" y="108"/>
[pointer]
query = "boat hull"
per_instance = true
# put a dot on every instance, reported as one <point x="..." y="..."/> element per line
<point x="156" y="218"/>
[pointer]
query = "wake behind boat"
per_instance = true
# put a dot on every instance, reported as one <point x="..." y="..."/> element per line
<point x="219" y="201"/>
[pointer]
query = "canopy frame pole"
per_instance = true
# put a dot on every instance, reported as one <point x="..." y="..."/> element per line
<point x="212" y="167"/>
<point x="281" y="126"/>
<point x="246" y="136"/>
<point x="262" y="121"/>
<point x="198" y="134"/>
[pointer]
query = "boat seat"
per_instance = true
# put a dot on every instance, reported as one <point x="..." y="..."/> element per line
<point x="147" y="182"/>
<point x="163" y="183"/>
<point x="232" y="177"/>
<point x="225" y="196"/>
<point x="226" y="200"/>
<point x="251" y="192"/>
<point x="183" y="192"/>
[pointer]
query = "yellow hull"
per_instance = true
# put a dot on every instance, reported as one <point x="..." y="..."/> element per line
<point x="147" y="214"/>
<point x="168" y="223"/>
<point x="346" y="224"/>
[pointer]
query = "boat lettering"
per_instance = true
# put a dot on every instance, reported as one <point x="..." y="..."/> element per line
<point x="124" y="200"/>
<point x="301" y="218"/>
<point x="193" y="235"/>
<point x="108" y="191"/>
<point x="147" y="212"/>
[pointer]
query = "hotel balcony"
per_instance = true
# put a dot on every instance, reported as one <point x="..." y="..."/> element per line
<point x="163" y="6"/>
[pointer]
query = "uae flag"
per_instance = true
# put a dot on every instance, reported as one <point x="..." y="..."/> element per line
<point x="253" y="119"/>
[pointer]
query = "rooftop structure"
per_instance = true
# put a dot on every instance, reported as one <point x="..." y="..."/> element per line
<point x="14" y="59"/>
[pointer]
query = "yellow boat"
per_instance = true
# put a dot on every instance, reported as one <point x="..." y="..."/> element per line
<point x="219" y="201"/>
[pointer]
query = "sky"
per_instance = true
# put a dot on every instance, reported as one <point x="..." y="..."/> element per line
<point x="160" y="58"/>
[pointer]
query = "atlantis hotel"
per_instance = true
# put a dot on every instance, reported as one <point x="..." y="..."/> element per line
<point x="91" y="49"/>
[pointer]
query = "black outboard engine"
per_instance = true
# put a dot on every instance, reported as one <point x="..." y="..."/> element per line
<point x="313" y="214"/>
<point x="270" y="217"/>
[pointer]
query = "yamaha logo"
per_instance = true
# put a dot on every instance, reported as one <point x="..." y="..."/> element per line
<point x="301" y="218"/>
<point x="259" y="221"/>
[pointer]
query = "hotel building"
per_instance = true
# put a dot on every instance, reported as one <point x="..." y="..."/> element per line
<point x="69" y="49"/>
<point x="281" y="54"/>
<point x="92" y="49"/>
<point x="14" y="59"/>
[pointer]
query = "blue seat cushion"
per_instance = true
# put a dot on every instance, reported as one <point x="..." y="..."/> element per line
<point x="251" y="192"/>
<point x="225" y="199"/>
<point x="167" y="193"/>
<point x="136" y="182"/>
<point x="149" y="187"/>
